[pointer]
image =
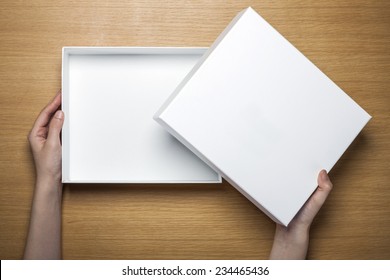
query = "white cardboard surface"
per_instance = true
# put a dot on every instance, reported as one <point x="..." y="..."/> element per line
<point x="109" y="98"/>
<point x="261" y="114"/>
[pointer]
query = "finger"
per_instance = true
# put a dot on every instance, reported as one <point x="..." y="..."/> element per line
<point x="324" y="183"/>
<point x="323" y="190"/>
<point x="55" y="127"/>
<point x="307" y="213"/>
<point x="47" y="112"/>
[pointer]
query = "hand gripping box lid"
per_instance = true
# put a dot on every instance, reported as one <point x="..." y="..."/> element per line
<point x="262" y="115"/>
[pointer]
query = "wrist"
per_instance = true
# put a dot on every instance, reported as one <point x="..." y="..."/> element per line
<point x="292" y="234"/>
<point x="48" y="178"/>
<point x="290" y="242"/>
<point x="48" y="185"/>
<point x="293" y="229"/>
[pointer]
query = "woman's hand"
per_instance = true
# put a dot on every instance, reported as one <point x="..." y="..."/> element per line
<point x="292" y="242"/>
<point x="45" y="141"/>
<point x="44" y="234"/>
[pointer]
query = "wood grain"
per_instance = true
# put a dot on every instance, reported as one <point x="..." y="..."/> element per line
<point x="349" y="40"/>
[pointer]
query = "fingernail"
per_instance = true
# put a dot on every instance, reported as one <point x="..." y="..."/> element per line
<point x="324" y="175"/>
<point x="59" y="115"/>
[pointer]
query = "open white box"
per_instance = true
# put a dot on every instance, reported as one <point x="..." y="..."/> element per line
<point x="109" y="96"/>
<point x="261" y="114"/>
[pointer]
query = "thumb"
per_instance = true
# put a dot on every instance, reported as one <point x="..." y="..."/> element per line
<point x="324" y="183"/>
<point x="55" y="127"/>
<point x="324" y="187"/>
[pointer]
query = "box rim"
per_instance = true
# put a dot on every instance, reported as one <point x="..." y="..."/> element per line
<point x="121" y="50"/>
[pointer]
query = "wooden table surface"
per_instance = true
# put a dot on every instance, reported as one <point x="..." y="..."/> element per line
<point x="347" y="39"/>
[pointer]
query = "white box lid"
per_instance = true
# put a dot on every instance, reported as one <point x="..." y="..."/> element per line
<point x="263" y="116"/>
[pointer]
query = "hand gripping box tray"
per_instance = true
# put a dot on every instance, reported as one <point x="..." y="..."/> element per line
<point x="109" y="96"/>
<point x="263" y="116"/>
